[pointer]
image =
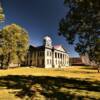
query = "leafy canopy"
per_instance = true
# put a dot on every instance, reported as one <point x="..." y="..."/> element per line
<point x="14" y="43"/>
<point x="2" y="16"/>
<point x="82" y="24"/>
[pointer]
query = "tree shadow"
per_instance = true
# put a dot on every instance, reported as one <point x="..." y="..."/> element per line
<point x="90" y="67"/>
<point x="47" y="86"/>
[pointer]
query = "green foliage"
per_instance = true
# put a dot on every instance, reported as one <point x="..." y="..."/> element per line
<point x="14" y="43"/>
<point x="83" y="21"/>
<point x="2" y="16"/>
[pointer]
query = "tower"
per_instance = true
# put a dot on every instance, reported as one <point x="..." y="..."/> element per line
<point x="47" y="42"/>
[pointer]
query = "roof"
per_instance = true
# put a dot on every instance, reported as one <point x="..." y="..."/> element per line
<point x="35" y="48"/>
<point x="55" y="47"/>
<point x="59" y="47"/>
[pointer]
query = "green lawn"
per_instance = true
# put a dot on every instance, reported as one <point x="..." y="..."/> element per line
<point x="71" y="83"/>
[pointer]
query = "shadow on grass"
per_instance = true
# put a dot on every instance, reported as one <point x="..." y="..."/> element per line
<point x="90" y="67"/>
<point x="47" y="86"/>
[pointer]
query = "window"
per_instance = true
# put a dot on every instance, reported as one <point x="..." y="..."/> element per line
<point x="47" y="53"/>
<point x="56" y="61"/>
<point x="34" y="54"/>
<point x="38" y="53"/>
<point x="50" y="53"/>
<point x="47" y="61"/>
<point x="55" y="55"/>
<point x="50" y="61"/>
<point x="42" y="61"/>
<point x="41" y="53"/>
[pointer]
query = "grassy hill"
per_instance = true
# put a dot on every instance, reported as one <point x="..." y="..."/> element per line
<point x="71" y="83"/>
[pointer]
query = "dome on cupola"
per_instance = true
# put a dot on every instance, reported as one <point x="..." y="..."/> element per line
<point x="47" y="38"/>
<point x="47" y="41"/>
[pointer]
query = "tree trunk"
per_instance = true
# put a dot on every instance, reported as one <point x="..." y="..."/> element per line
<point x="2" y="59"/>
<point x="98" y="69"/>
<point x="1" y="65"/>
<point x="8" y="61"/>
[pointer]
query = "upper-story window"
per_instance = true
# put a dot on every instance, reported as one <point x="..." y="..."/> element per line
<point x="55" y="54"/>
<point x="49" y="53"/>
<point x="40" y="53"/>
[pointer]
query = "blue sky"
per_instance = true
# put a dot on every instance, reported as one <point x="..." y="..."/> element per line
<point x="39" y="18"/>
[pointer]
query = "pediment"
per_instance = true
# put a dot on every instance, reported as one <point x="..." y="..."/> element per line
<point x="59" y="47"/>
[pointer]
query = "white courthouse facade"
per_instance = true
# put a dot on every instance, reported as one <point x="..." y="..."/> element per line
<point x="47" y="55"/>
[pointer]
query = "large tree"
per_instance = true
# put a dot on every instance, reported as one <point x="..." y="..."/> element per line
<point x="14" y="43"/>
<point x="81" y="27"/>
<point x="2" y="16"/>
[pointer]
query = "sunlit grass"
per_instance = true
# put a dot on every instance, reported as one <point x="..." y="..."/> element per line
<point x="78" y="82"/>
<point x="70" y="72"/>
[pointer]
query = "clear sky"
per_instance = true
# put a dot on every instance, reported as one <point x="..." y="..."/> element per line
<point x="39" y="18"/>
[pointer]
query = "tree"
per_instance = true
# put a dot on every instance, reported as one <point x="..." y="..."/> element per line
<point x="82" y="25"/>
<point x="14" y="43"/>
<point x="2" y="16"/>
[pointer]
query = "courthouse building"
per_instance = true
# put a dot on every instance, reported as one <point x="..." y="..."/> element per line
<point x="47" y="55"/>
